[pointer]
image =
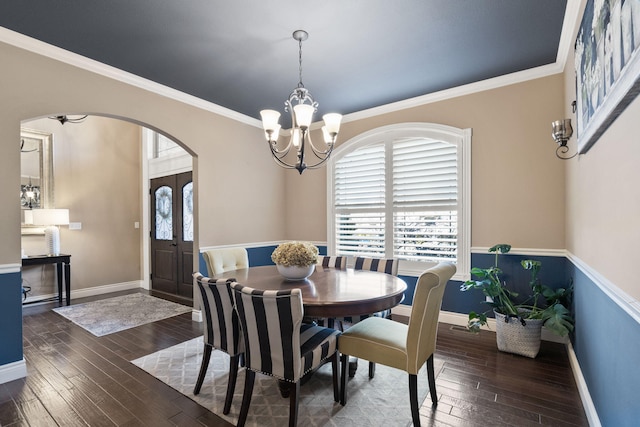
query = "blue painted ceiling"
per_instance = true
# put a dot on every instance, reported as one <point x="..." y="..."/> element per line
<point x="360" y="53"/>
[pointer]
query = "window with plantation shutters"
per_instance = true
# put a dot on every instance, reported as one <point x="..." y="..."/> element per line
<point x="359" y="195"/>
<point x="403" y="192"/>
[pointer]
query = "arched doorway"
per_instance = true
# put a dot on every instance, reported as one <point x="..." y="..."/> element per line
<point x="102" y="172"/>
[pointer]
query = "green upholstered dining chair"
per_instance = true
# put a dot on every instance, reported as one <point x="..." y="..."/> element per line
<point x="225" y="259"/>
<point x="278" y="344"/>
<point x="221" y="330"/>
<point x="401" y="346"/>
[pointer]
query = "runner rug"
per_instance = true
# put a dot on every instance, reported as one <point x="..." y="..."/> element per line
<point x="119" y="313"/>
<point x="383" y="401"/>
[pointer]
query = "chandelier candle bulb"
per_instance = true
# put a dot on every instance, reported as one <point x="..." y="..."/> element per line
<point x="295" y="137"/>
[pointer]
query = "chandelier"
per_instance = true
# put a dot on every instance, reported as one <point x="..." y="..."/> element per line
<point x="301" y="106"/>
<point x="69" y="119"/>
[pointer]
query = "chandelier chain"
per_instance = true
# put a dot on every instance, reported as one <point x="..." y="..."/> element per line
<point x="300" y="84"/>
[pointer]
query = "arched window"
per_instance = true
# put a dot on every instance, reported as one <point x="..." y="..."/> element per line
<point x="403" y="191"/>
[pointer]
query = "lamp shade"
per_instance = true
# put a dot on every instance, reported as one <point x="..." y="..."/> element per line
<point x="269" y="119"/>
<point x="304" y="115"/>
<point x="49" y="216"/>
<point x="332" y="122"/>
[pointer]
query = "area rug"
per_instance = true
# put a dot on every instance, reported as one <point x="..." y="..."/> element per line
<point x="383" y="401"/>
<point x="119" y="313"/>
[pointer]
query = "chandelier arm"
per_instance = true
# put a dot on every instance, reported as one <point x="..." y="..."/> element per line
<point x="320" y="163"/>
<point x="275" y="151"/>
<point x="281" y="162"/>
<point x="320" y="153"/>
<point x="279" y="154"/>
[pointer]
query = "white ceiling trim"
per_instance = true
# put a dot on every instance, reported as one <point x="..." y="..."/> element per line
<point x="567" y="38"/>
<point x="493" y="83"/>
<point x="50" y="51"/>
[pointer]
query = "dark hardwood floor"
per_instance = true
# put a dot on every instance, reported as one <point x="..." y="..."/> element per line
<point x="75" y="378"/>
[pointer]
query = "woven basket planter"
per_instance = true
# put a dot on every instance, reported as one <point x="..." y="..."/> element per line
<point x="513" y="337"/>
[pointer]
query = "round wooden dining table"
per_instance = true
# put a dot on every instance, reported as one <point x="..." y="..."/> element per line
<point x="329" y="292"/>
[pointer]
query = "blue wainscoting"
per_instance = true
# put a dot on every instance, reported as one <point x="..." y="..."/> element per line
<point x="259" y="255"/>
<point x="10" y="318"/>
<point x="607" y="345"/>
<point x="554" y="273"/>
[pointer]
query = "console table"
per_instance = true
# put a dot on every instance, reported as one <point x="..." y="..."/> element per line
<point x="60" y="261"/>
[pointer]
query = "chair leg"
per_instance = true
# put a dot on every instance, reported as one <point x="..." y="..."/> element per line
<point x="231" y="383"/>
<point x="432" y="381"/>
<point x="343" y="387"/>
<point x="246" y="397"/>
<point x="293" y="404"/>
<point x="372" y="369"/>
<point x="334" y="371"/>
<point x="206" y="356"/>
<point x="413" y="399"/>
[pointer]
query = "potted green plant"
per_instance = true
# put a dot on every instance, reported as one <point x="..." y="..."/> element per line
<point x="519" y="320"/>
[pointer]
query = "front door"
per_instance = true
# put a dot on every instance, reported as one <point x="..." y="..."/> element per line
<point x="172" y="236"/>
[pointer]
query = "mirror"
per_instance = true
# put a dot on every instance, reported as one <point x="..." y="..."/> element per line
<point x="36" y="169"/>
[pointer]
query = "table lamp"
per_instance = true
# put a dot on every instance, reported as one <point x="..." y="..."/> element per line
<point x="51" y="218"/>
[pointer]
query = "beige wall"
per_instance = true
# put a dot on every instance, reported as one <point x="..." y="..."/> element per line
<point x="517" y="181"/>
<point x="97" y="170"/>
<point x="603" y="203"/>
<point x="240" y="193"/>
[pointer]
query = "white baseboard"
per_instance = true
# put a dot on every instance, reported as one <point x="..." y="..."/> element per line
<point x="105" y="289"/>
<point x="196" y="315"/>
<point x="13" y="371"/>
<point x="87" y="292"/>
<point x="583" y="390"/>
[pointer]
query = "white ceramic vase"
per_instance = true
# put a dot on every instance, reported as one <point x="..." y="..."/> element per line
<point x="296" y="272"/>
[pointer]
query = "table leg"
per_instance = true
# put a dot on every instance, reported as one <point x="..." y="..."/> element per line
<point x="67" y="281"/>
<point x="59" y="271"/>
<point x="353" y="366"/>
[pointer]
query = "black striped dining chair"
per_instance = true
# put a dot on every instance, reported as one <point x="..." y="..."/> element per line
<point x="339" y="262"/>
<point x="326" y="261"/>
<point x="389" y="266"/>
<point x="279" y="344"/>
<point x="221" y="330"/>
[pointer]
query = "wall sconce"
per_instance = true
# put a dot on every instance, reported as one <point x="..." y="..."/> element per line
<point x="561" y="131"/>
<point x="51" y="218"/>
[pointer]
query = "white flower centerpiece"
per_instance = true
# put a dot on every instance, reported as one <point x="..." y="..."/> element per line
<point x="295" y="260"/>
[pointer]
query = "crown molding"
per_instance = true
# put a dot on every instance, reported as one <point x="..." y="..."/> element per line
<point x="56" y="53"/>
<point x="572" y="13"/>
<point x="468" y="89"/>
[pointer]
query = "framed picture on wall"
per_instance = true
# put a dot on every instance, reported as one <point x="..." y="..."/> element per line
<point x="607" y="65"/>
